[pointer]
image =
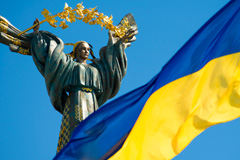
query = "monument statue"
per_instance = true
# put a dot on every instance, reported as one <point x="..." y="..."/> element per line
<point x="76" y="88"/>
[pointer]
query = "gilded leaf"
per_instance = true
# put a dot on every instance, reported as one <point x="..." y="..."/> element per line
<point x="45" y="12"/>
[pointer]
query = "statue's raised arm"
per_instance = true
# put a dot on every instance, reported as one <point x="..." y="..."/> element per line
<point x="76" y="89"/>
<point x="113" y="60"/>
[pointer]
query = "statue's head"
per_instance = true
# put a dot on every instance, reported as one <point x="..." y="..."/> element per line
<point x="81" y="50"/>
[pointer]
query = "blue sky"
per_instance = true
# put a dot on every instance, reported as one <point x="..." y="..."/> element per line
<point x="30" y="125"/>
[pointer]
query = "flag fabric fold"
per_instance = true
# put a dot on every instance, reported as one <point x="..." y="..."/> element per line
<point x="199" y="87"/>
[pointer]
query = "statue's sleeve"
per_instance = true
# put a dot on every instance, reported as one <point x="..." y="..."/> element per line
<point x="46" y="50"/>
<point x="53" y="64"/>
<point x="112" y="67"/>
<point x="113" y="61"/>
<point x="39" y="48"/>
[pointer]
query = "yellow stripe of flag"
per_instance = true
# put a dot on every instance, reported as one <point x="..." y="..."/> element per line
<point x="179" y="111"/>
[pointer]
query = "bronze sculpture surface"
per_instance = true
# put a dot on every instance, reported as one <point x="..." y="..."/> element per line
<point x="76" y="89"/>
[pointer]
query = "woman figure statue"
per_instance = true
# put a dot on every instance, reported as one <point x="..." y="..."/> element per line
<point x="76" y="89"/>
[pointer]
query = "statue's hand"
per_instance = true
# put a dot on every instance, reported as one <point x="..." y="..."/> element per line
<point x="36" y="28"/>
<point x="130" y="33"/>
<point x="129" y="37"/>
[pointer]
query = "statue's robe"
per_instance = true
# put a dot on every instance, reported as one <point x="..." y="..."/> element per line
<point x="76" y="90"/>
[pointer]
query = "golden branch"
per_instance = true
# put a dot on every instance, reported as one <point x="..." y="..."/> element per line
<point x="90" y="16"/>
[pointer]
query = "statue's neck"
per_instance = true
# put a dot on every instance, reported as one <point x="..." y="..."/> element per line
<point x="82" y="61"/>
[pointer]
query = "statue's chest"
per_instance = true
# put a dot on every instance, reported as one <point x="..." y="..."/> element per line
<point x="86" y="75"/>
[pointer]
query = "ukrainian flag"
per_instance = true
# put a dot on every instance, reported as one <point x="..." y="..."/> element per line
<point x="199" y="87"/>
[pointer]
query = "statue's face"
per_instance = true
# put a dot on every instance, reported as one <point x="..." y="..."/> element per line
<point x="82" y="51"/>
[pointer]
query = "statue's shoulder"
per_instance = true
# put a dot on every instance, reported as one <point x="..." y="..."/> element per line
<point x="48" y="36"/>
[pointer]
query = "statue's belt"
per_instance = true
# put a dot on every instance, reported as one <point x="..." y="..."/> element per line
<point x="86" y="89"/>
<point x="79" y="88"/>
